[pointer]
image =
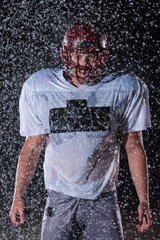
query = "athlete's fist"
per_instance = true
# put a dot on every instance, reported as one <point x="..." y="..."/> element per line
<point x="17" y="211"/>
<point x="144" y="217"/>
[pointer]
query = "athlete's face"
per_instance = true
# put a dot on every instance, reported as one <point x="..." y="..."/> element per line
<point x="85" y="63"/>
<point x="83" y="59"/>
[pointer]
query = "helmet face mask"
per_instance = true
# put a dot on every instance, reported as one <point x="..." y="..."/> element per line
<point x="82" y="39"/>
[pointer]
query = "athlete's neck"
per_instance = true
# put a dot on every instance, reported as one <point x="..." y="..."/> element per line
<point x="72" y="80"/>
<point x="76" y="82"/>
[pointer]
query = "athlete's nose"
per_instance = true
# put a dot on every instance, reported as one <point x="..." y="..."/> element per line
<point x="83" y="61"/>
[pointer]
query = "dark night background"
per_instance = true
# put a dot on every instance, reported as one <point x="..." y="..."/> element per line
<point x="31" y="36"/>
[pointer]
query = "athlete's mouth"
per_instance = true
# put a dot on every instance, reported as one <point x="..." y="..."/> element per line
<point x="83" y="73"/>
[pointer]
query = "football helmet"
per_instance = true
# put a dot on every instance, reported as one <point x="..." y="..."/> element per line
<point x="88" y="39"/>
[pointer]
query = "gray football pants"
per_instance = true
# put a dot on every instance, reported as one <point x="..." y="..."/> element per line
<point x="65" y="218"/>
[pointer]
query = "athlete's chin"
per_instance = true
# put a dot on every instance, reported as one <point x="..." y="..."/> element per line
<point x="84" y="77"/>
<point x="83" y="80"/>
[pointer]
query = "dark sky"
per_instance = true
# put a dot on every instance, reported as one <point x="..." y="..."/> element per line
<point x="31" y="36"/>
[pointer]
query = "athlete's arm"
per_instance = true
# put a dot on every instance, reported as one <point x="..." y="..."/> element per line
<point x="25" y="171"/>
<point x="133" y="143"/>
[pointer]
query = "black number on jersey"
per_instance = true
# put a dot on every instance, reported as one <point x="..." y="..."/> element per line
<point x="77" y="117"/>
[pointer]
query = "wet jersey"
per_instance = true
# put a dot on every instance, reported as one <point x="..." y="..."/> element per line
<point x="82" y="150"/>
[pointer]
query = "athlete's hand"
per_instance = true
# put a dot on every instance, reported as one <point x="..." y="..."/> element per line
<point x="17" y="211"/>
<point x="144" y="217"/>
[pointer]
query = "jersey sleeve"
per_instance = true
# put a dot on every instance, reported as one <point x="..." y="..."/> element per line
<point x="134" y="111"/>
<point x="31" y="121"/>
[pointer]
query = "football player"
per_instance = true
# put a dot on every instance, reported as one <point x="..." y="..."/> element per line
<point x="80" y="112"/>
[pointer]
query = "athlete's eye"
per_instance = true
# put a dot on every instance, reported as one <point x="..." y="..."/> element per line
<point x="91" y="55"/>
<point x="82" y="58"/>
<point x="92" y="58"/>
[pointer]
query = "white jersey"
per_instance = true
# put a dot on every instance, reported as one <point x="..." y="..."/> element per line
<point x="82" y="152"/>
